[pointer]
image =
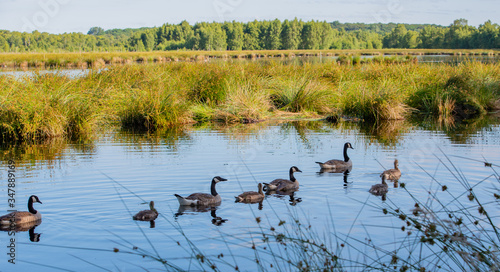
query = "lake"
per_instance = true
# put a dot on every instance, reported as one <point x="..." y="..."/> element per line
<point x="90" y="188"/>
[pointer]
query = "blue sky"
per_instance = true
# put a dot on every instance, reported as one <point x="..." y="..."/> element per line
<point x="58" y="16"/>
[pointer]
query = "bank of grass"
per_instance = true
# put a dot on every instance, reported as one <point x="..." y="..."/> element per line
<point x="154" y="96"/>
<point x="100" y="59"/>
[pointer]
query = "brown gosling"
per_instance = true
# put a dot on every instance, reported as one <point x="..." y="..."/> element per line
<point x="393" y="174"/>
<point x="15" y="218"/>
<point x="147" y="215"/>
<point x="251" y="197"/>
<point x="381" y="188"/>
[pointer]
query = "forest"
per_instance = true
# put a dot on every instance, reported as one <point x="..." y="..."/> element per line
<point x="259" y="35"/>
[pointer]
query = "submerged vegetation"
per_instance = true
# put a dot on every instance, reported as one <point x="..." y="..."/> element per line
<point x="153" y="96"/>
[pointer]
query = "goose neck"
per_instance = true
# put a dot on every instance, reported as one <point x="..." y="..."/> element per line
<point x="292" y="178"/>
<point x="346" y="158"/>
<point x="30" y="206"/>
<point x="212" y="188"/>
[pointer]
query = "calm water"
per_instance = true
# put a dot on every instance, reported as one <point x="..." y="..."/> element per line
<point x="90" y="189"/>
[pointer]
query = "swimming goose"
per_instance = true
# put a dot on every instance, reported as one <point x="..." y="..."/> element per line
<point x="381" y="188"/>
<point x="31" y="215"/>
<point x="147" y="215"/>
<point x="202" y="199"/>
<point x="284" y="184"/>
<point x="338" y="164"/>
<point x="393" y="174"/>
<point x="251" y="197"/>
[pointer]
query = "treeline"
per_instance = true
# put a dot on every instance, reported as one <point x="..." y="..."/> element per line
<point x="260" y="35"/>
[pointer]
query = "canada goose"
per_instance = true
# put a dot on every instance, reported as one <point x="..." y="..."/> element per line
<point x="147" y="215"/>
<point x="251" y="197"/>
<point x="202" y="199"/>
<point x="381" y="188"/>
<point x="14" y="218"/>
<point x="338" y="164"/>
<point x="393" y="174"/>
<point x="284" y="184"/>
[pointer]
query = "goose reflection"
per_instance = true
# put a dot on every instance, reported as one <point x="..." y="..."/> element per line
<point x="334" y="171"/>
<point x="291" y="194"/>
<point x="22" y="227"/>
<point x="216" y="220"/>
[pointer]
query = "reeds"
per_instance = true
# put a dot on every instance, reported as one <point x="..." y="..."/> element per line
<point x="153" y="96"/>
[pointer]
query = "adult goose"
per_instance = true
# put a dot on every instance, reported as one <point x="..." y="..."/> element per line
<point x="17" y="218"/>
<point x="251" y="197"/>
<point x="338" y="164"/>
<point x="147" y="215"/>
<point x="380" y="189"/>
<point x="202" y="199"/>
<point x="284" y="184"/>
<point x="393" y="174"/>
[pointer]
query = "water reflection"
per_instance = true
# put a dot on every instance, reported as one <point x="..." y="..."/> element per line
<point x="23" y="227"/>
<point x="216" y="220"/>
<point x="49" y="150"/>
<point x="386" y="132"/>
<point x="459" y="131"/>
<point x="151" y="140"/>
<point x="292" y="200"/>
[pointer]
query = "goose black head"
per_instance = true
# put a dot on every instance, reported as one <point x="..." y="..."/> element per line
<point x="295" y="169"/>
<point x="35" y="199"/>
<point x="217" y="179"/>
<point x="348" y="145"/>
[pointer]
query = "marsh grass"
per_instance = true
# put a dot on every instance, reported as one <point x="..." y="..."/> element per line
<point x="97" y="59"/>
<point x="159" y="95"/>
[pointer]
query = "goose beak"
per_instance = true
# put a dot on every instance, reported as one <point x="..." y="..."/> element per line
<point x="222" y="179"/>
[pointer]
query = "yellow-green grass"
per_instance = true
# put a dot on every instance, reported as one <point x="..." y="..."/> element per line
<point x="99" y="59"/>
<point x="153" y="96"/>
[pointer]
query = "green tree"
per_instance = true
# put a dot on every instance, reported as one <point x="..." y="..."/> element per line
<point x="4" y="45"/>
<point x="311" y="36"/>
<point x="235" y="35"/>
<point x="397" y="38"/>
<point x="95" y="31"/>
<point x="459" y="35"/>
<point x="290" y="34"/>
<point x="148" y="40"/>
<point x="326" y="35"/>
<point x="251" y="35"/>
<point x="431" y="37"/>
<point x="487" y="36"/>
<point x="273" y="33"/>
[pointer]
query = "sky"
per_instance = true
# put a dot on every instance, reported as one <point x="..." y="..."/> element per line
<point x="59" y="16"/>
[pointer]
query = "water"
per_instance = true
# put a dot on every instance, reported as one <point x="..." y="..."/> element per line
<point x="450" y="59"/>
<point x="91" y="188"/>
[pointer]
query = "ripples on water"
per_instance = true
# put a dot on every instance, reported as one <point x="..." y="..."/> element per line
<point x="86" y="207"/>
